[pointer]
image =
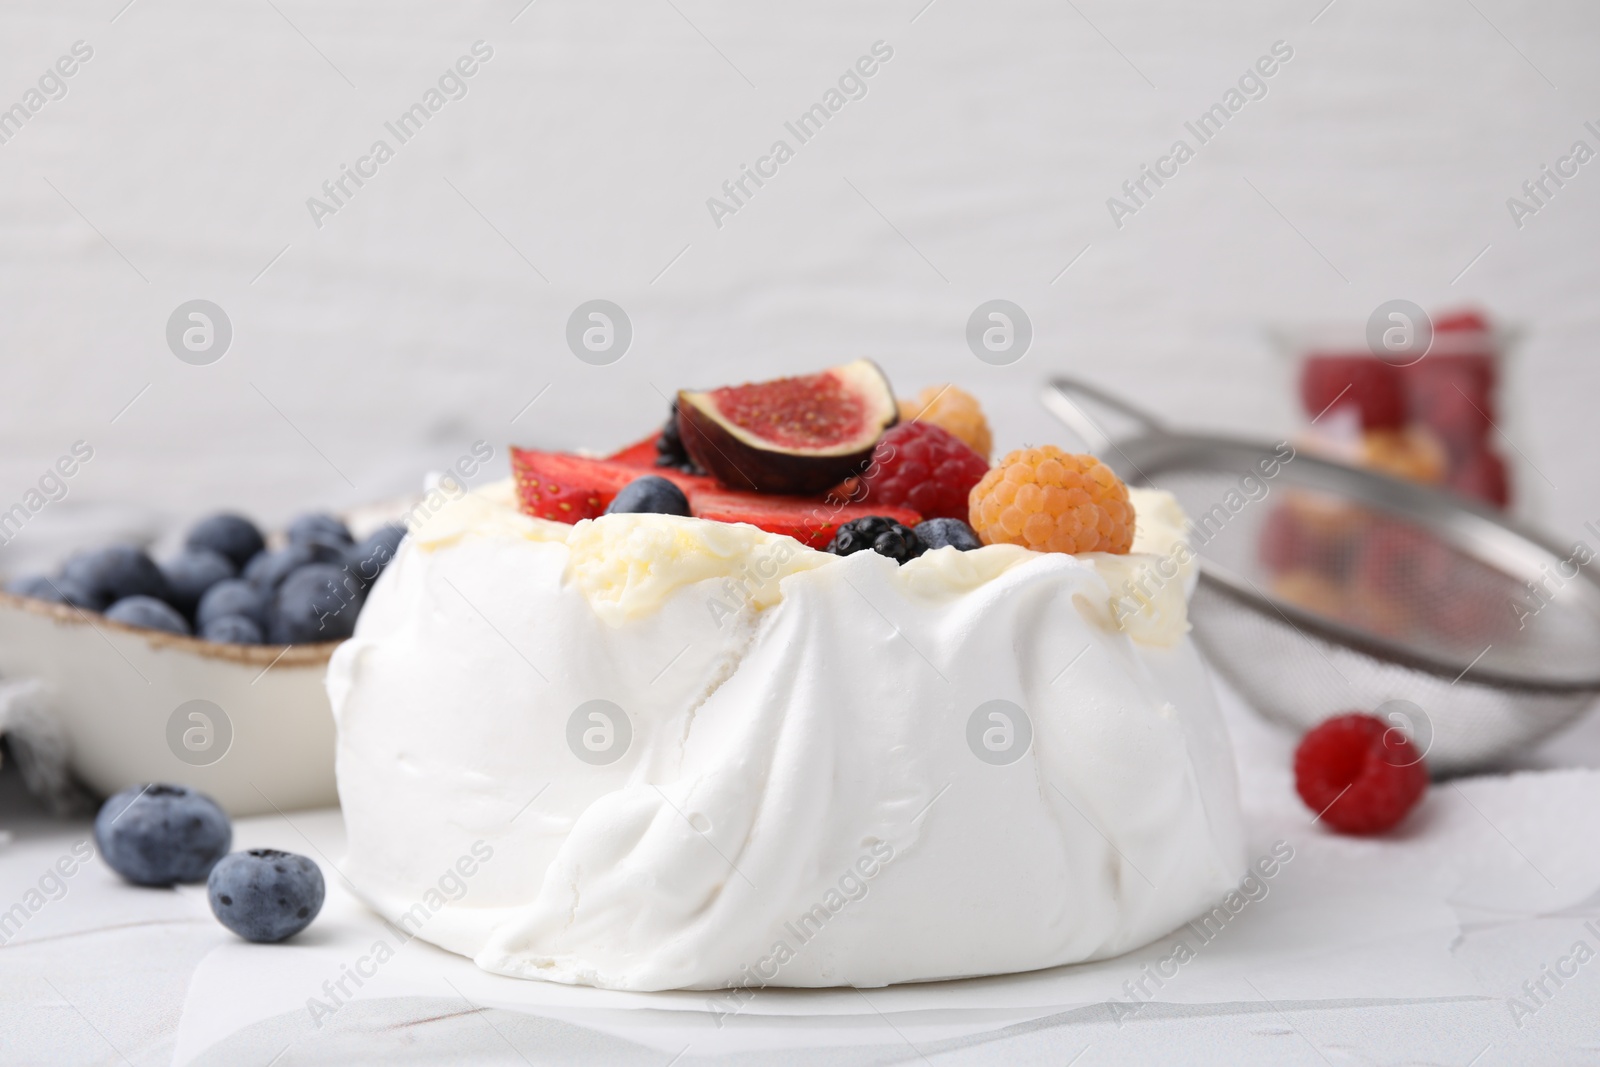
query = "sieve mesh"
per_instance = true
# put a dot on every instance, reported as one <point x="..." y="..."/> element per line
<point x="1327" y="589"/>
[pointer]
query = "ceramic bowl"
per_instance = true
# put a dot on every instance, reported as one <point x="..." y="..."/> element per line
<point x="248" y="724"/>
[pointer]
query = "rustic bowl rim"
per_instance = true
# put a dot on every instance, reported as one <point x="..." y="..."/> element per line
<point x="251" y="655"/>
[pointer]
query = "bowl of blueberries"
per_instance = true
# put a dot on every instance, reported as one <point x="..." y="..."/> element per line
<point x="204" y="668"/>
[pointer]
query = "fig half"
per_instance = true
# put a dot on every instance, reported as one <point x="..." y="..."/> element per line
<point x="790" y="435"/>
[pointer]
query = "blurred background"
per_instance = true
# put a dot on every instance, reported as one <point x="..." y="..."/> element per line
<point x="429" y="308"/>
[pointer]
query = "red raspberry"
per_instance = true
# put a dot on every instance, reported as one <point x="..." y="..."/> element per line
<point x="1359" y="774"/>
<point x="1366" y="383"/>
<point x="920" y="466"/>
<point x="1483" y="476"/>
<point x="1467" y="320"/>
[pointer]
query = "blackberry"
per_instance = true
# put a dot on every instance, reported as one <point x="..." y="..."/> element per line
<point x="883" y="536"/>
<point x="669" y="446"/>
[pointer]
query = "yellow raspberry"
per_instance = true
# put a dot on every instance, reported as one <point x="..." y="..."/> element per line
<point x="1052" y="501"/>
<point x="954" y="410"/>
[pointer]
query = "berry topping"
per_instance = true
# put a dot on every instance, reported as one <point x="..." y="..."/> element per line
<point x="946" y="533"/>
<point x="791" y="435"/>
<point x="149" y="613"/>
<point x="546" y="480"/>
<point x="882" y="535"/>
<point x="954" y="410"/>
<point x="669" y="447"/>
<point x="161" y="834"/>
<point x="810" y="521"/>
<point x="562" y="488"/>
<point x="1359" y="774"/>
<point x="1053" y="501"/>
<point x="234" y="536"/>
<point x="650" y="494"/>
<point x="265" y="895"/>
<point x="923" y="467"/>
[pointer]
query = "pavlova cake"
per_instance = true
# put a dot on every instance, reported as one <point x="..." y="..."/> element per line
<point x="801" y="691"/>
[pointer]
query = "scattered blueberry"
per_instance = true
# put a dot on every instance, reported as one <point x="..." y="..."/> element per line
<point x="942" y="533"/>
<point x="191" y="573"/>
<point x="234" y="596"/>
<point x="233" y="630"/>
<point x="318" y="526"/>
<point x="318" y="602"/>
<point x="368" y="559"/>
<point x="161" y="834"/>
<point x="883" y="536"/>
<point x="270" y="568"/>
<point x="265" y="895"/>
<point x="233" y="536"/>
<point x="149" y="613"/>
<point x="117" y="571"/>
<point x="651" y="493"/>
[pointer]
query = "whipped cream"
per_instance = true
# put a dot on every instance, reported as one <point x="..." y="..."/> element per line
<point x="806" y="770"/>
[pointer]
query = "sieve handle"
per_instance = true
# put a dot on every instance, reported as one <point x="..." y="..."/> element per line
<point x="1063" y="398"/>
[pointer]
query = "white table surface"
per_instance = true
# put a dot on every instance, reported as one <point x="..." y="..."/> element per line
<point x="1399" y="951"/>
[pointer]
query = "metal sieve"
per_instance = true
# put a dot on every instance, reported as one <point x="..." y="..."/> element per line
<point x="1325" y="588"/>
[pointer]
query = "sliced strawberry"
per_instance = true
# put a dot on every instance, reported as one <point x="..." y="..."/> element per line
<point x="811" y="520"/>
<point x="568" y="488"/>
<point x="639" y="454"/>
<point x="564" y="488"/>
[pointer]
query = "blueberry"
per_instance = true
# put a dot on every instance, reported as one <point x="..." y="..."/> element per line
<point x="265" y="895"/>
<point x="318" y="602"/>
<point x="232" y="630"/>
<point x="269" y="569"/>
<point x="368" y="559"/>
<point x="54" y="590"/>
<point x="881" y="535"/>
<point x="233" y="536"/>
<point x="234" y="596"/>
<point x="942" y="533"/>
<point x="67" y="591"/>
<point x="653" y="494"/>
<point x="149" y="613"/>
<point x="36" y="586"/>
<point x="319" y="526"/>
<point x="161" y="834"/>
<point x="191" y="573"/>
<point x="117" y="571"/>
